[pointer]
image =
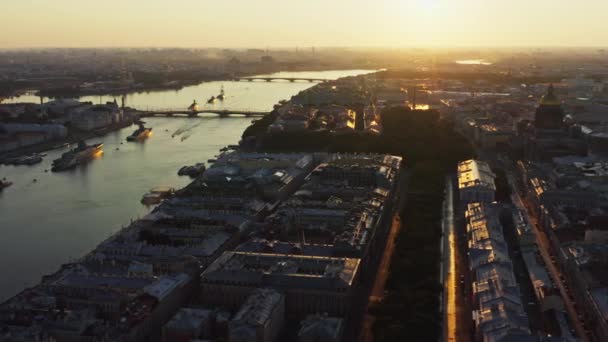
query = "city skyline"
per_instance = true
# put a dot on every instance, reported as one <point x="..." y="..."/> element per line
<point x="384" y="23"/>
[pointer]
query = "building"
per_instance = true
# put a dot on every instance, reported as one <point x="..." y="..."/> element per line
<point x="549" y="114"/>
<point x="498" y="311"/>
<point x="89" y="117"/>
<point x="310" y="284"/>
<point x="585" y="271"/>
<point x="476" y="182"/>
<point x="260" y="318"/>
<point x="321" y="328"/>
<point x="189" y="324"/>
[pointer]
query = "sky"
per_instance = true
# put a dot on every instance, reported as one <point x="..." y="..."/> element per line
<point x="291" y="23"/>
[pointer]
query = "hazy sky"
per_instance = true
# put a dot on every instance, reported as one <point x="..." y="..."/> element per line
<point x="261" y="23"/>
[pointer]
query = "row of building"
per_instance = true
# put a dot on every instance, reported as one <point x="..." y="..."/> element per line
<point x="568" y="196"/>
<point x="26" y="124"/>
<point x="257" y="245"/>
<point x="498" y="310"/>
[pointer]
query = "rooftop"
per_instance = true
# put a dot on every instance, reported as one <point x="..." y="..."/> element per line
<point x="189" y="318"/>
<point x="472" y="173"/>
<point x="259" y="306"/>
<point x="282" y="271"/>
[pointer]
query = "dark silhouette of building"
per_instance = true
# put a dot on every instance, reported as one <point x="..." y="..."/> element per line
<point x="549" y="136"/>
<point x="360" y="118"/>
<point x="549" y="114"/>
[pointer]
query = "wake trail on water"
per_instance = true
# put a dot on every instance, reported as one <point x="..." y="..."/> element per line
<point x="185" y="129"/>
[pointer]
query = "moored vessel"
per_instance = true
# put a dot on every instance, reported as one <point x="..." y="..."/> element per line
<point x="75" y="157"/>
<point x="140" y="133"/>
<point x="192" y="170"/>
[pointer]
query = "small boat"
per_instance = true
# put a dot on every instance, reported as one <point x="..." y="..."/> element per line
<point x="24" y="160"/>
<point x="193" y="171"/>
<point x="156" y="195"/>
<point x="150" y="199"/>
<point x="4" y="184"/>
<point x="221" y="95"/>
<point x="211" y="100"/>
<point x="211" y="160"/>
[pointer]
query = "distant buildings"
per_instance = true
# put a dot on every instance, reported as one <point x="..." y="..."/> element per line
<point x="30" y="124"/>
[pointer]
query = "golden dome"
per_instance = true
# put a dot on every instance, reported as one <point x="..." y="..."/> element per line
<point x="549" y="99"/>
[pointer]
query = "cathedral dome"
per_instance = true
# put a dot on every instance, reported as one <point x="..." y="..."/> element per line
<point x="549" y="99"/>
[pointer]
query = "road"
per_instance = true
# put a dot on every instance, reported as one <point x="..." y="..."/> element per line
<point x="371" y="289"/>
<point x="377" y="292"/>
<point x="456" y="309"/>
<point x="544" y="248"/>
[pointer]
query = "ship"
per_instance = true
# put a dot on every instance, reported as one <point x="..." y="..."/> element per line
<point x="194" y="107"/>
<point x="140" y="133"/>
<point x="211" y="99"/>
<point x="75" y="157"/>
<point x="221" y="95"/>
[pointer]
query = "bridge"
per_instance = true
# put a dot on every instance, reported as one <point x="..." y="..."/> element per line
<point x="290" y="79"/>
<point x="195" y="113"/>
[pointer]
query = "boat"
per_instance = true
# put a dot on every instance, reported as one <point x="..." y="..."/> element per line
<point x="4" y="184"/>
<point x="211" y="99"/>
<point x="140" y="133"/>
<point x="30" y="160"/>
<point x="24" y="160"/>
<point x="193" y="170"/>
<point x="194" y="106"/>
<point x="156" y="195"/>
<point x="221" y="95"/>
<point x="150" y="199"/>
<point x="211" y="160"/>
<point x="76" y="156"/>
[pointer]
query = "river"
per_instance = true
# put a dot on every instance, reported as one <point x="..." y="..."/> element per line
<point x="62" y="216"/>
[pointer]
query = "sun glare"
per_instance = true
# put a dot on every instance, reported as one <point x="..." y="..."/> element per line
<point x="427" y="4"/>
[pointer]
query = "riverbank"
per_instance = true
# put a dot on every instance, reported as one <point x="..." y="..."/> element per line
<point x="64" y="215"/>
<point x="72" y="138"/>
<point x="75" y="91"/>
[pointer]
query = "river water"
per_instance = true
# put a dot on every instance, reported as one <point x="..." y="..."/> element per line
<point x="64" y="215"/>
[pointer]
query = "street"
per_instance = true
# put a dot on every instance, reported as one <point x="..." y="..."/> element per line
<point x="456" y="308"/>
<point x="544" y="248"/>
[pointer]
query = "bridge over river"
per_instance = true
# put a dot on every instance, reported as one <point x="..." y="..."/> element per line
<point x="278" y="78"/>
<point x="171" y="112"/>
